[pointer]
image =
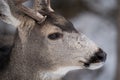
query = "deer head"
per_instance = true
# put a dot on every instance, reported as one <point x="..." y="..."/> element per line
<point x="46" y="45"/>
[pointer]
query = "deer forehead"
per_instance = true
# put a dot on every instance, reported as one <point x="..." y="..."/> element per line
<point x="49" y="29"/>
<point x="26" y="22"/>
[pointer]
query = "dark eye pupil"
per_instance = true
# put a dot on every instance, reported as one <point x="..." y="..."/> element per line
<point x="55" y="36"/>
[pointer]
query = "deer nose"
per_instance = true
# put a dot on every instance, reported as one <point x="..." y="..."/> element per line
<point x="99" y="56"/>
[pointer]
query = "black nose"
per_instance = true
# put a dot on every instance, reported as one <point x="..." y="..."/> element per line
<point x="99" y="56"/>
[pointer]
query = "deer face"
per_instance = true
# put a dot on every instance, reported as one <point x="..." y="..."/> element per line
<point x="61" y="48"/>
<point x="53" y="47"/>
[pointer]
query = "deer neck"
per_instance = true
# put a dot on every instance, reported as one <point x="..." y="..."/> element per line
<point x="16" y="68"/>
<point x="19" y="69"/>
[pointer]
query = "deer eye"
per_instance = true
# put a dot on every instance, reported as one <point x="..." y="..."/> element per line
<point x="55" y="36"/>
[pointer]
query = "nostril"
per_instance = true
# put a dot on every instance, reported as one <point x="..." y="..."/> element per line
<point x="101" y="55"/>
<point x="87" y="64"/>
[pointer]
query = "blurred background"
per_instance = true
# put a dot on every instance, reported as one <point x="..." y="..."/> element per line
<point x="100" y="21"/>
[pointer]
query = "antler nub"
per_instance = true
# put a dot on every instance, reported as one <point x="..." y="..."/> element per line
<point x="43" y="6"/>
<point x="49" y="6"/>
<point x="33" y="13"/>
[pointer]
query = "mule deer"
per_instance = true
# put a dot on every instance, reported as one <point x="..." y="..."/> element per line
<point x="46" y="45"/>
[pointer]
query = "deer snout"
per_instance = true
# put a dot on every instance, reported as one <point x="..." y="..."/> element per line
<point x="99" y="56"/>
<point x="96" y="60"/>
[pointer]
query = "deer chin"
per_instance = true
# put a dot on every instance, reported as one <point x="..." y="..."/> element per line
<point x="62" y="71"/>
<point x="58" y="73"/>
<point x="94" y="66"/>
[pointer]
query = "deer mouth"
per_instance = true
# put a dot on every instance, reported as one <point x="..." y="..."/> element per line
<point x="92" y="66"/>
<point x="96" y="61"/>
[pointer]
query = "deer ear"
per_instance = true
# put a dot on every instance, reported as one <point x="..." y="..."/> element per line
<point x="6" y="15"/>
